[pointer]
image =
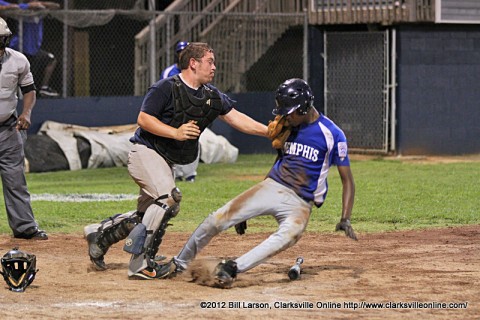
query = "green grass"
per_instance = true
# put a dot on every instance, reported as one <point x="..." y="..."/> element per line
<point x="390" y="195"/>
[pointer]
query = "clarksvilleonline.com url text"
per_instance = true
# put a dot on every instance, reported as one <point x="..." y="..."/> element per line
<point x="331" y="305"/>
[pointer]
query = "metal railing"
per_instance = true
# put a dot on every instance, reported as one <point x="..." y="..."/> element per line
<point x="240" y="31"/>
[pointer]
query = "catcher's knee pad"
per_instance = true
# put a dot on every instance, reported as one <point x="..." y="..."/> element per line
<point x="136" y="239"/>
<point x="155" y="236"/>
<point x="116" y="228"/>
<point x="172" y="209"/>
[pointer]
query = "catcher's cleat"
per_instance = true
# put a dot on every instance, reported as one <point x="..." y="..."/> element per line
<point x="225" y="274"/>
<point x="99" y="263"/>
<point x="170" y="269"/>
<point x="95" y="252"/>
<point x="157" y="272"/>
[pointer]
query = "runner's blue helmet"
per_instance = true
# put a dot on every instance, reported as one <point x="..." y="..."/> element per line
<point x="293" y="94"/>
<point x="180" y="46"/>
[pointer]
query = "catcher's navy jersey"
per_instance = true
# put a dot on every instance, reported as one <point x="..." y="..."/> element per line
<point x="158" y="102"/>
<point x="309" y="152"/>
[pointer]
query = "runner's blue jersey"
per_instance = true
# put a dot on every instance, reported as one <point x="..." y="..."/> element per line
<point x="170" y="71"/>
<point x="308" y="154"/>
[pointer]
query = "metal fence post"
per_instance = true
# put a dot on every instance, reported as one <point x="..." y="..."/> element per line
<point x="305" y="46"/>
<point x="153" y="78"/>
<point x="65" y="56"/>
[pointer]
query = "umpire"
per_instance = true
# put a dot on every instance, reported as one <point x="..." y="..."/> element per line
<point x="14" y="73"/>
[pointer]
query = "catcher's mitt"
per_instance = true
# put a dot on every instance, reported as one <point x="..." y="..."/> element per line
<point x="278" y="131"/>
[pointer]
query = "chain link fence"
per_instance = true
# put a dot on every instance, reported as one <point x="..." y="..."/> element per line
<point x="115" y="53"/>
<point x="357" y="87"/>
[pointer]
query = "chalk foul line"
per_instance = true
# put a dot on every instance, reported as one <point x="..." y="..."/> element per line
<point x="82" y="197"/>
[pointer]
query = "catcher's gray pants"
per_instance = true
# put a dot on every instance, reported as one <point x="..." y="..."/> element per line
<point x="266" y="198"/>
<point x="12" y="169"/>
<point x="155" y="178"/>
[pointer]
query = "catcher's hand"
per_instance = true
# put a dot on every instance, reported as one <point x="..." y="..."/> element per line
<point x="346" y="226"/>
<point x="278" y="131"/>
<point x="241" y="227"/>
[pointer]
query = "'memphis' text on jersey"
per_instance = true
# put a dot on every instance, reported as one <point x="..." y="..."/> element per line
<point x="302" y="150"/>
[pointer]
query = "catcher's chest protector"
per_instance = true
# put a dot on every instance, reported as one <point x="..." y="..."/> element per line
<point x="203" y="111"/>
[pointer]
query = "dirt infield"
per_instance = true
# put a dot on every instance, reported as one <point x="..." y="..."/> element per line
<point x="415" y="274"/>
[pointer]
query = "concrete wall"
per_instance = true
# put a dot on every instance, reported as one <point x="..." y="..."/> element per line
<point x="91" y="112"/>
<point x="438" y="86"/>
<point x="438" y="90"/>
<point x="108" y="111"/>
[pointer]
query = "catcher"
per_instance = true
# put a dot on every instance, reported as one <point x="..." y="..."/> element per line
<point x="296" y="182"/>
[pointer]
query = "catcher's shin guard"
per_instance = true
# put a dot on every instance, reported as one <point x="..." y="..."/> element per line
<point x="110" y="231"/>
<point x="170" y="212"/>
<point x="116" y="228"/>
